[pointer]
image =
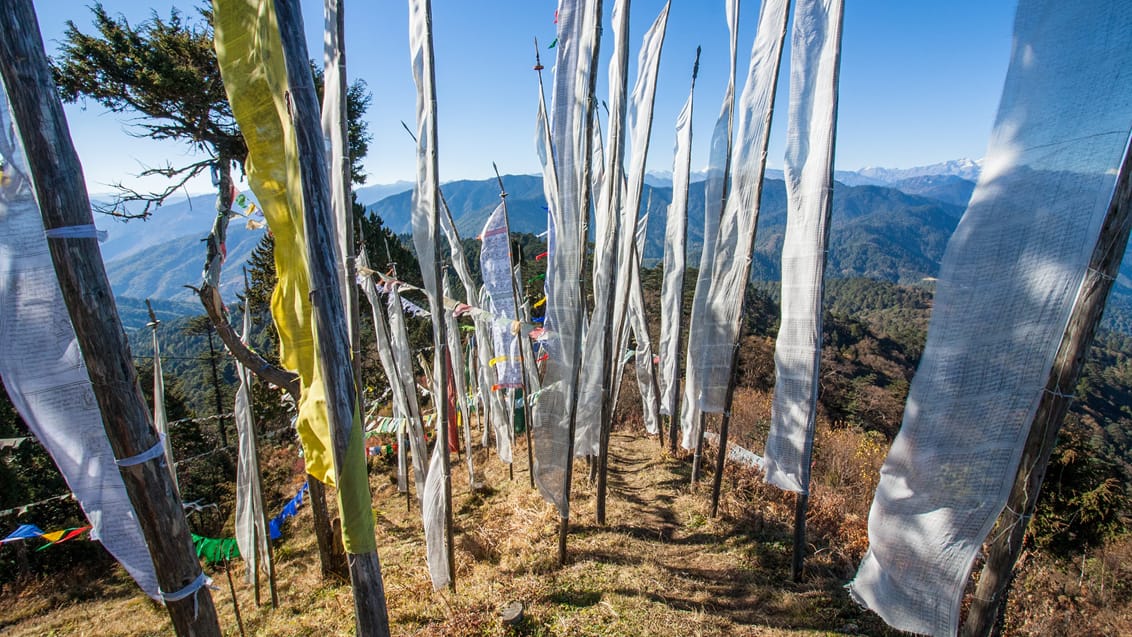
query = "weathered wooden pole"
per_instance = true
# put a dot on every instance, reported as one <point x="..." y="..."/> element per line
<point x="724" y="425"/>
<point x="614" y="175"/>
<point x="697" y="458"/>
<point x="232" y="590"/>
<point x="63" y="203"/>
<point x="331" y="334"/>
<point x="994" y="580"/>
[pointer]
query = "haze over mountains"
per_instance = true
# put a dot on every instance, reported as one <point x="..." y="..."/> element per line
<point x="890" y="224"/>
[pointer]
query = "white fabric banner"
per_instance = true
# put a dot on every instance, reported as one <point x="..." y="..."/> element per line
<point x="814" y="59"/>
<point x="578" y="22"/>
<point x="334" y="143"/>
<point x="495" y="265"/>
<point x="403" y="361"/>
<point x="731" y="263"/>
<point x="713" y="202"/>
<point x="632" y="240"/>
<point x="425" y="201"/>
<point x="459" y="381"/>
<point x="593" y="381"/>
<point x="675" y="261"/>
<point x="44" y="372"/>
<point x="495" y="408"/>
<point x="251" y="524"/>
<point x="404" y="396"/>
<point x="160" y="418"/>
<point x="1007" y="285"/>
<point x="432" y="512"/>
<point x="643" y="361"/>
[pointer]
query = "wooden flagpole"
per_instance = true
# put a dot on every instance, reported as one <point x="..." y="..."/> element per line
<point x="579" y="311"/>
<point x="674" y="408"/>
<point x="61" y="193"/>
<point x="331" y="332"/>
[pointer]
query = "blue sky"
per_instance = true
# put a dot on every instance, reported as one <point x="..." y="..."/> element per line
<point x="920" y="82"/>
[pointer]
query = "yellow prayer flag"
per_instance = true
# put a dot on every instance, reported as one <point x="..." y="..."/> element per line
<point x="250" y="53"/>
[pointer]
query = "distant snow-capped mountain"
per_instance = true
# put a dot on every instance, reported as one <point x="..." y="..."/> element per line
<point x="967" y="169"/>
<point x="963" y="168"/>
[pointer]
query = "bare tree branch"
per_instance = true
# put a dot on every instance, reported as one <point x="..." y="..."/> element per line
<point x="214" y="307"/>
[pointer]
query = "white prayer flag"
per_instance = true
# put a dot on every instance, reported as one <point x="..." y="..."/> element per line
<point x="1007" y="286"/>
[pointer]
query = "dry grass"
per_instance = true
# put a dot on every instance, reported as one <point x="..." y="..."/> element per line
<point x="661" y="565"/>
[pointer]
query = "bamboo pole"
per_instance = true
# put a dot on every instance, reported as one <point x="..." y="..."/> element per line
<point x="61" y="193"/>
<point x="994" y="580"/>
<point x="332" y="338"/>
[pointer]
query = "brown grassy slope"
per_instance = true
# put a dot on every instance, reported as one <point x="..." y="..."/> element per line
<point x="661" y="566"/>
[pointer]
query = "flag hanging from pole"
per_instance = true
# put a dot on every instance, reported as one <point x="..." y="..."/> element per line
<point x="250" y="54"/>
<point x="731" y="261"/>
<point x="1008" y="283"/>
<point x="251" y="523"/>
<point x="495" y="264"/>
<point x="675" y="261"/>
<point x="714" y="192"/>
<point x="578" y="30"/>
<point x="44" y="372"/>
<point x="814" y="60"/>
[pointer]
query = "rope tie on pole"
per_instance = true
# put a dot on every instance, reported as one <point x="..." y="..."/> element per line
<point x="156" y="451"/>
<point x="192" y="589"/>
<point x="1102" y="275"/>
<point x="84" y="231"/>
<point x="1059" y="394"/>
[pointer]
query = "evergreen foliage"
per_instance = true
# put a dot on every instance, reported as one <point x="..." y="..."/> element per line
<point x="165" y="71"/>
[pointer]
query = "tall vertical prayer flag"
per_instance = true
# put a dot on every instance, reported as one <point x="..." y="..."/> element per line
<point x="403" y="358"/>
<point x="815" y="57"/>
<point x="675" y="260"/>
<point x="495" y="264"/>
<point x="715" y="189"/>
<point x="731" y="261"/>
<point x="1008" y="282"/>
<point x="578" y="22"/>
<point x="607" y="176"/>
<point x="251" y="522"/>
<point x="426" y="222"/>
<point x="250" y="53"/>
<point x="44" y="372"/>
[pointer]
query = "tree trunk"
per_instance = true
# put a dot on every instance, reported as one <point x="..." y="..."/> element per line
<point x="63" y="203"/>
